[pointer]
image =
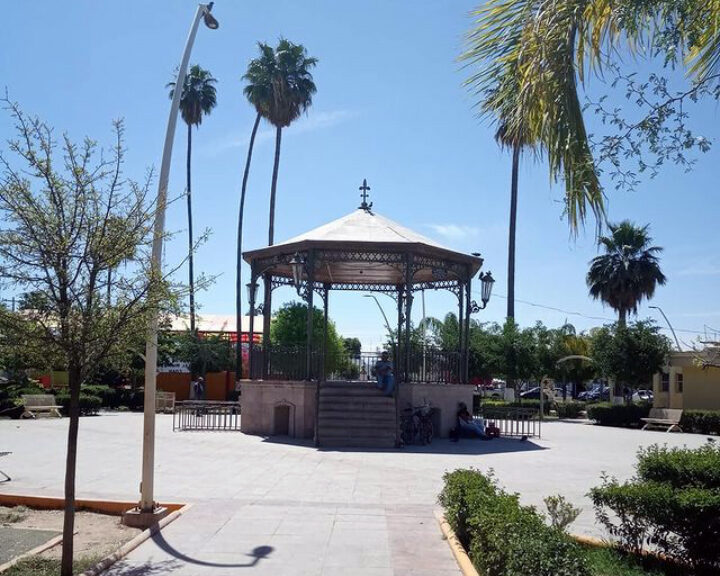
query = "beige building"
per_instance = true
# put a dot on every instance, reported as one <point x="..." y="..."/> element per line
<point x="685" y="384"/>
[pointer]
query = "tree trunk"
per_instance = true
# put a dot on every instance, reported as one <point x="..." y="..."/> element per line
<point x="70" y="466"/>
<point x="622" y="319"/>
<point x="511" y="237"/>
<point x="190" y="235"/>
<point x="238" y="283"/>
<point x="273" y="190"/>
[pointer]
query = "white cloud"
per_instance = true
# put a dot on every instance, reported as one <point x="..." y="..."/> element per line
<point x="455" y="231"/>
<point x="701" y="267"/>
<point x="311" y="122"/>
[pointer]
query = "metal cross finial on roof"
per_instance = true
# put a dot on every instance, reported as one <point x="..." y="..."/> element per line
<point x="365" y="188"/>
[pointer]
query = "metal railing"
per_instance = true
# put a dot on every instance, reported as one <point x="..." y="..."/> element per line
<point x="206" y="415"/>
<point x="512" y="421"/>
<point x="290" y="363"/>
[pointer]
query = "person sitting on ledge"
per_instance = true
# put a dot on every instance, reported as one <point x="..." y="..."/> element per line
<point x="467" y="424"/>
<point x="384" y="374"/>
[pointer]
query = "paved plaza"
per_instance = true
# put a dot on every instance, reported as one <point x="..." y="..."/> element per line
<point x="267" y="507"/>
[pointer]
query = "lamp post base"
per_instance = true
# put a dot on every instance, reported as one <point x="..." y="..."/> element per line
<point x="136" y="518"/>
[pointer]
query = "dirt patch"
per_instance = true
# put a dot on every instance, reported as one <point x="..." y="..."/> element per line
<point x="98" y="535"/>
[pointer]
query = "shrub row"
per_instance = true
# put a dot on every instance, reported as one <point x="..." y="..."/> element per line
<point x="569" y="409"/>
<point x="504" y="538"/>
<point x="623" y="415"/>
<point x="89" y="404"/>
<point x="701" y="421"/>
<point x="672" y="505"/>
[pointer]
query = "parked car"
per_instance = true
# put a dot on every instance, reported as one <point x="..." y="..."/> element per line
<point x="642" y="396"/>
<point x="598" y="393"/>
<point x="534" y="394"/>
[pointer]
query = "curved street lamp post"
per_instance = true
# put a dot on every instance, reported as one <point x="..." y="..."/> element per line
<point x="148" y="512"/>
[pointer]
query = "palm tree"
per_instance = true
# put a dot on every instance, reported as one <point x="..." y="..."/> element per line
<point x="628" y="271"/>
<point x="544" y="47"/>
<point x="257" y="92"/>
<point x="521" y="121"/>
<point x="198" y="99"/>
<point x="281" y="87"/>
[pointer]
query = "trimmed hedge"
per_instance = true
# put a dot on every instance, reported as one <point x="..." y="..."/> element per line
<point x="701" y="421"/>
<point x="504" y="538"/>
<point x="672" y="505"/>
<point x="89" y="405"/>
<point x="569" y="409"/>
<point x="623" y="415"/>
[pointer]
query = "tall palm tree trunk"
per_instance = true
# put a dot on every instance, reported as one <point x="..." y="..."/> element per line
<point x="190" y="235"/>
<point x="238" y="283"/>
<point x="273" y="190"/>
<point x="267" y="296"/>
<point x="512" y="229"/>
<point x="622" y="317"/>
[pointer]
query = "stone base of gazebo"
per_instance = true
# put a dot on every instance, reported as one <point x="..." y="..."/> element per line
<point x="443" y="397"/>
<point x="278" y="408"/>
<point x="288" y="408"/>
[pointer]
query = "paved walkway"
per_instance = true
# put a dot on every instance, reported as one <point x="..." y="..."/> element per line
<point x="271" y="507"/>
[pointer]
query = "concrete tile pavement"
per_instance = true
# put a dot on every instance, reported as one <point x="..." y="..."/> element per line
<point x="321" y="511"/>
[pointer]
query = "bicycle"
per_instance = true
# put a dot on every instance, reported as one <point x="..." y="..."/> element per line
<point x="416" y="425"/>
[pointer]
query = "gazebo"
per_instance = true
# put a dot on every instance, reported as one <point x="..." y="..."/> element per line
<point x="363" y="252"/>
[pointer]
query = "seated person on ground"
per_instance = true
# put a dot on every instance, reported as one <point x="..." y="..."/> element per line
<point x="384" y="374"/>
<point x="467" y="424"/>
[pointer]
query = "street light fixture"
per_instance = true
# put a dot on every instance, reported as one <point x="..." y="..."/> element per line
<point x="209" y="19"/>
<point x="252" y="290"/>
<point x="298" y="266"/>
<point x="148" y="512"/>
<point x="486" y="286"/>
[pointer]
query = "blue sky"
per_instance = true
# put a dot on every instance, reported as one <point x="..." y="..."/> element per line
<point x="390" y="107"/>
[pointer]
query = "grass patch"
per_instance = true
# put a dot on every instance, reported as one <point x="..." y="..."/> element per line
<point x="36" y="566"/>
<point x="12" y="515"/>
<point x="613" y="562"/>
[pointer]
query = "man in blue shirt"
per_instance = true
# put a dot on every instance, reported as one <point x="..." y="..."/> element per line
<point x="384" y="374"/>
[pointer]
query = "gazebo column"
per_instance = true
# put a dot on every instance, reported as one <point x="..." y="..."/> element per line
<point x="408" y="310"/>
<point x="398" y="339"/>
<point x="267" y="315"/>
<point x="251" y="335"/>
<point x="310" y="271"/>
<point x="466" y="339"/>
<point x="461" y="326"/>
<point x="326" y="298"/>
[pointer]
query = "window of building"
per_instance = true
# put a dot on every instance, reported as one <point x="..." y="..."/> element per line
<point x="678" y="383"/>
<point x="664" y="382"/>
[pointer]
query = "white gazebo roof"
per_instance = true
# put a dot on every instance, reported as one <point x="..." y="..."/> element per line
<point x="363" y="226"/>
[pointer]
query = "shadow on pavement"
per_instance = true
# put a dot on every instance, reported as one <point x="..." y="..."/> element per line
<point x="258" y="553"/>
<point x="464" y="446"/>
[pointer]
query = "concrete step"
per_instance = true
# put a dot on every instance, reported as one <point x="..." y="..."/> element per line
<point x="355" y="410"/>
<point x="375" y="400"/>
<point x="384" y="416"/>
<point x="326" y="423"/>
<point x="337" y="391"/>
<point x="351" y="432"/>
<point x="357" y="442"/>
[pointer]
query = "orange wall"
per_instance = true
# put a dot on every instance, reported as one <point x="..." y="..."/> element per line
<point x="218" y="385"/>
<point x="178" y="382"/>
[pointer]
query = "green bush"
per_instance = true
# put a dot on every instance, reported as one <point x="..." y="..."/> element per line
<point x="108" y="396"/>
<point x="504" y="538"/>
<point x="569" y="409"/>
<point x="623" y="415"/>
<point x="89" y="405"/>
<point x="701" y="421"/>
<point x="681" y="467"/>
<point x="672" y="505"/>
